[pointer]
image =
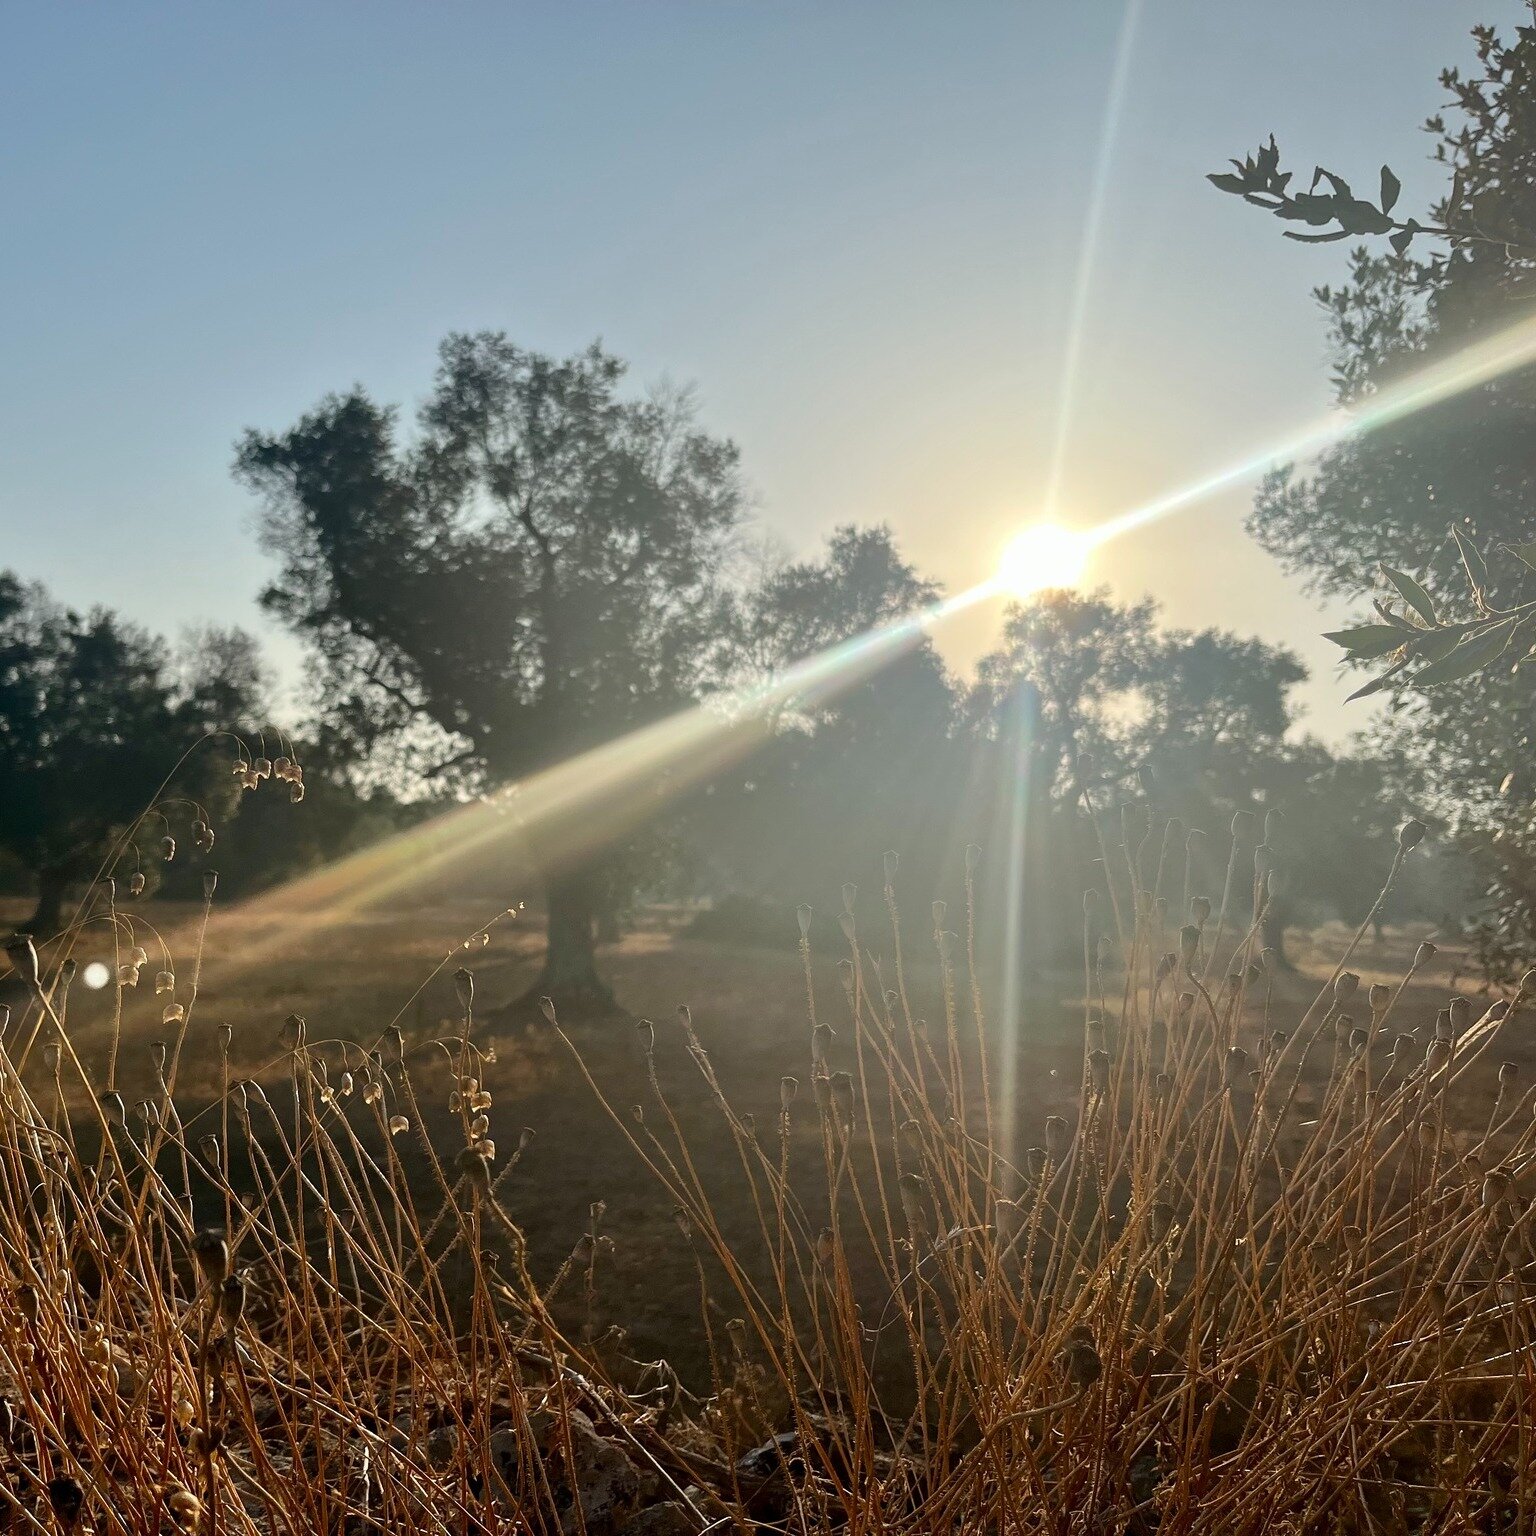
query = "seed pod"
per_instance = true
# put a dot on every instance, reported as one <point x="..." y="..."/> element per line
<point x="165" y="981"/>
<point x="1424" y="954"/>
<point x="1410" y="834"/>
<point x="1345" y="986"/>
<point x="136" y="883"/>
<point x="1359" y="1039"/>
<point x="282" y="767"/>
<point x="788" y="1088"/>
<point x="821" y="1041"/>
<point x="1443" y="1029"/>
<point x="174" y="1013"/>
<point x="826" y="1247"/>
<point x="398" y="1124"/>
<point x="210" y="883"/>
<point x="1098" y="1071"/>
<point x="211" y="1250"/>
<point x="1236" y="1067"/>
<point x="262" y="767"/>
<point x="940" y="908"/>
<point x="803" y="914"/>
<point x="1160" y="1219"/>
<point x="1200" y="911"/>
<point x="295" y="792"/>
<point x="914" y="1206"/>
<point x="474" y="1166"/>
<point x="1495" y="1188"/>
<point x="850" y="895"/>
<point x="972" y="858"/>
<point x="842" y="1099"/>
<point x="889" y="862"/>
<point x="645" y="1032"/>
<point x="167" y="848"/>
<point x="291" y="1035"/>
<point x="1084" y="767"/>
<point x="846" y="923"/>
<point x="1055" y="1137"/>
<point x="66" y="1498"/>
<point x="464" y="988"/>
<point x="1509" y="1071"/>
<point x="1379" y="996"/>
<point x="1082" y="1362"/>
<point x="231" y="1300"/>
<point x="22" y="953"/>
<point x="1189" y="945"/>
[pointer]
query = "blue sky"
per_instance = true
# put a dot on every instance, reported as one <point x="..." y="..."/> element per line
<point x="854" y="226"/>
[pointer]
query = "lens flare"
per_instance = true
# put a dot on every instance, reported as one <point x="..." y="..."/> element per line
<point x="1045" y="556"/>
<point x="96" y="975"/>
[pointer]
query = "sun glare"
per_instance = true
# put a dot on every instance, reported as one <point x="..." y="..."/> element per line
<point x="1042" y="557"/>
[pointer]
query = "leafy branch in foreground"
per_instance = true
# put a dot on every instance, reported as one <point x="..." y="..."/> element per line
<point x="1259" y="180"/>
<point x="1444" y="651"/>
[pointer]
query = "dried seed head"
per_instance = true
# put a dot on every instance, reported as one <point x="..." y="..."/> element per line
<point x="1509" y="1072"/>
<point x="291" y="1035"/>
<point x="1461" y="1014"/>
<point x="1008" y="1220"/>
<point x="788" y="1088"/>
<point x="914" y="1204"/>
<point x="1410" y="834"/>
<point x="1035" y="1162"/>
<point x="262" y="767"/>
<point x="212" y="1152"/>
<point x="22" y="953"/>
<point x="889" y="863"/>
<point x="1443" y="1029"/>
<point x="211" y="1250"/>
<point x="821" y="1042"/>
<point x="167" y="848"/>
<point x="826" y="1247"/>
<point x="476" y="1169"/>
<point x="1359" y="1039"/>
<point x="1098" y="1071"/>
<point x="1200" y="911"/>
<point x="398" y="1124"/>
<point x="803" y="914"/>
<point x="1085" y="766"/>
<point x="846" y="923"/>
<point x="1189" y="945"/>
<point x="165" y="981"/>
<point x="842" y="1099"/>
<point x="1237" y="1067"/>
<point x="1424" y="954"/>
<point x="231" y="1300"/>
<point x="136" y="883"/>
<point x="1160" y="1218"/>
<point x="1495" y="1188"/>
<point x="850" y="895"/>
<point x="547" y="1008"/>
<point x="940" y="908"/>
<point x="1082" y="1363"/>
<point x="464" y="988"/>
<point x="1345" y="986"/>
<point x="173" y="1013"/>
<point x="1379" y="996"/>
<point x="210" y="883"/>
<point x="645" y="1032"/>
<point x="295" y="792"/>
<point x="1056" y="1136"/>
<point x="972" y="858"/>
<point x="282" y="767"/>
<point x="66" y="1498"/>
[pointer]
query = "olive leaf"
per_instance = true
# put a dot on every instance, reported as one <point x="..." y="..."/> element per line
<point x="1369" y="640"/>
<point x="1471" y="562"/>
<point x="1412" y="594"/>
<point x="1472" y="655"/>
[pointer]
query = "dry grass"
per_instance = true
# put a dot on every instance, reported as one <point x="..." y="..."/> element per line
<point x="1242" y="1284"/>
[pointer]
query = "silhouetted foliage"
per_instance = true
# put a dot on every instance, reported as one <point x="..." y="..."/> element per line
<point x="534" y="572"/>
<point x="1455" y="606"/>
<point x="104" y="740"/>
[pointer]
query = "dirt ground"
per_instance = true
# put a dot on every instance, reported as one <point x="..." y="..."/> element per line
<point x="357" y="971"/>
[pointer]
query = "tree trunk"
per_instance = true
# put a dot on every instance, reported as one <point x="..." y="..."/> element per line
<point x="48" y="916"/>
<point x="569" y="978"/>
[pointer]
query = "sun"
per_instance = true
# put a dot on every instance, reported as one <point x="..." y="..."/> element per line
<point x="1044" y="556"/>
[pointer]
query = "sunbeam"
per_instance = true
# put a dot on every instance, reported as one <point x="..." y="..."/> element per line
<point x="1480" y="362"/>
<point x="1082" y="285"/>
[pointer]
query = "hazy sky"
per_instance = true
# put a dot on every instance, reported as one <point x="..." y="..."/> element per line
<point x="855" y="226"/>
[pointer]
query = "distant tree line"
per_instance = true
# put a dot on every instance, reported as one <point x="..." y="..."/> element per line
<point x="546" y="563"/>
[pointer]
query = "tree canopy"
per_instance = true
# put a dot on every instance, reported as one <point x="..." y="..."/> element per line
<point x="537" y="569"/>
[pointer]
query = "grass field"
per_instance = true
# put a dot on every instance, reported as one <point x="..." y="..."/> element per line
<point x="359" y="972"/>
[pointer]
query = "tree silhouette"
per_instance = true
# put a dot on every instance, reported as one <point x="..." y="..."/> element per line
<point x="99" y="725"/>
<point x="1439" y="507"/>
<point x="536" y="571"/>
